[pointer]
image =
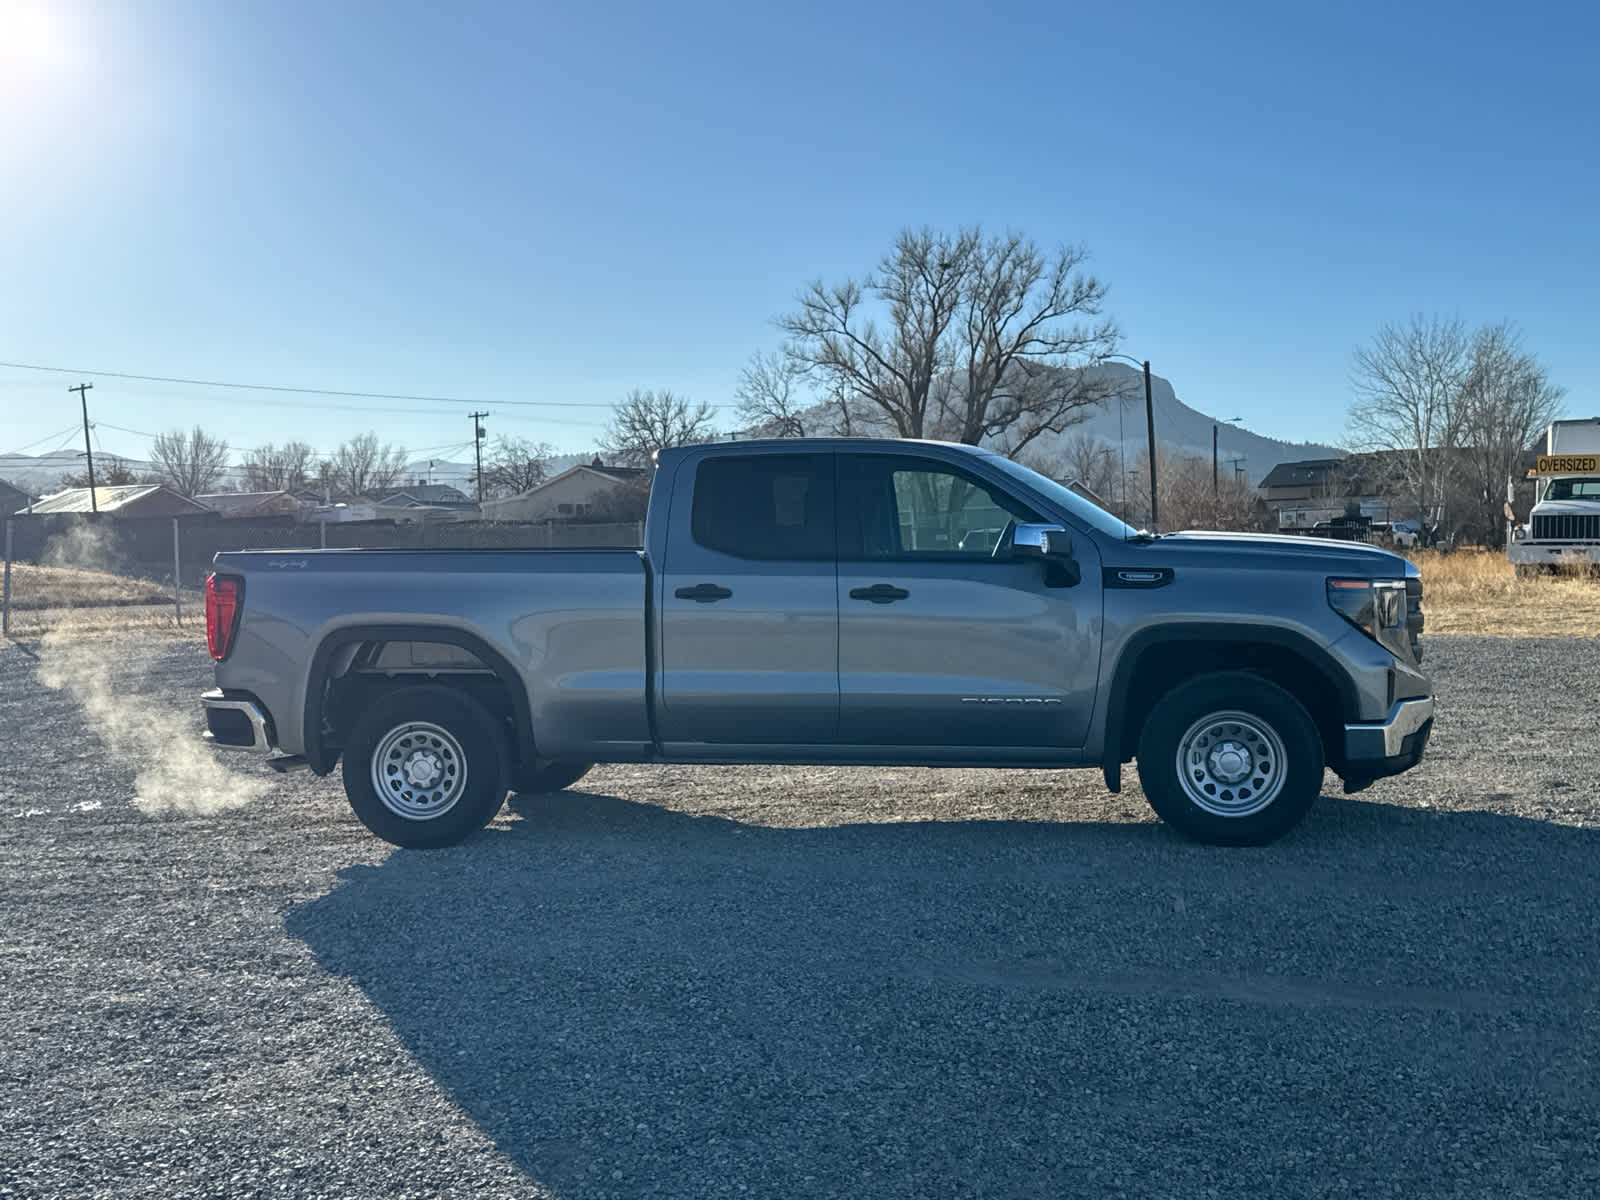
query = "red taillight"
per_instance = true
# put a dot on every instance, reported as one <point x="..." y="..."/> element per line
<point x="222" y="614"/>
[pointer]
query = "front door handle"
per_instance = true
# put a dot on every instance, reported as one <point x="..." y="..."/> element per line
<point x="879" y="593"/>
<point x="703" y="593"/>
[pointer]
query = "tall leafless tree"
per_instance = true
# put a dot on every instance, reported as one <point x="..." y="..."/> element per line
<point x="888" y="371"/>
<point x="649" y="421"/>
<point x="274" y="468"/>
<point x="516" y="465"/>
<point x="980" y="339"/>
<point x="1408" y="386"/>
<point x="1025" y="344"/>
<point x="772" y="396"/>
<point x="1507" y="401"/>
<point x="190" y="463"/>
<point x="364" y="466"/>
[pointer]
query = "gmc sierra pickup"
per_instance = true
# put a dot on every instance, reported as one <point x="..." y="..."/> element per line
<point x="832" y="602"/>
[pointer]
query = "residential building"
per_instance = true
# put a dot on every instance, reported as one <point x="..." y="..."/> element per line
<point x="127" y="501"/>
<point x="581" y="493"/>
<point x="11" y="499"/>
<point x="239" y="505"/>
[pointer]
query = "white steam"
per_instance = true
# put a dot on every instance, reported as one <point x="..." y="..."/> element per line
<point x="174" y="771"/>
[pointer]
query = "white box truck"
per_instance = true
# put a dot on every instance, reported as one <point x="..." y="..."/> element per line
<point x="1564" y="526"/>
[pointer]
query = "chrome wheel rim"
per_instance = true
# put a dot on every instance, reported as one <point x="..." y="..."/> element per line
<point x="1231" y="764"/>
<point x="419" y="770"/>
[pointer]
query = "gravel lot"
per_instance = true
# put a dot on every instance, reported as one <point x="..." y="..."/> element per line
<point x="805" y="983"/>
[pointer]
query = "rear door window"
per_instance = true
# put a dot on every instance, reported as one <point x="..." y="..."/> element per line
<point x="774" y="507"/>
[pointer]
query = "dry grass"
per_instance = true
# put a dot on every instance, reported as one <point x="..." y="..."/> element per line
<point x="46" y="599"/>
<point x="1478" y="592"/>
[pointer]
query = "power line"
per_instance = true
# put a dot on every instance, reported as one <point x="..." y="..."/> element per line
<point x="309" y="391"/>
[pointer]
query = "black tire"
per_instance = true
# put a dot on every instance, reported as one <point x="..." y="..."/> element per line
<point x="1263" y="770"/>
<point x="550" y="777"/>
<point x="456" y="751"/>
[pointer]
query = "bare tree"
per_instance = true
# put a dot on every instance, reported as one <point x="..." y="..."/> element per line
<point x="1189" y="498"/>
<point x="980" y="339"/>
<point x="515" y="465"/>
<point x="364" y="466"/>
<point x="1084" y="461"/>
<point x="648" y="421"/>
<point x="771" y="398"/>
<point x="110" y="471"/>
<point x="1024" y="347"/>
<point x="1408" y="386"/>
<point x="190" y="463"/>
<point x="274" y="468"/>
<point x="887" y="371"/>
<point x="1507" y="400"/>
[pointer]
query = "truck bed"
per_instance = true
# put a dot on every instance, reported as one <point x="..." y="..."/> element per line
<point x="569" y="623"/>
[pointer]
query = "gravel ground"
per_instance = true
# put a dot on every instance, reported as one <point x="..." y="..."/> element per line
<point x="803" y="983"/>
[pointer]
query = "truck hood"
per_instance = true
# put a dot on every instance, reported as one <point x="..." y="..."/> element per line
<point x="1557" y="508"/>
<point x="1320" y="554"/>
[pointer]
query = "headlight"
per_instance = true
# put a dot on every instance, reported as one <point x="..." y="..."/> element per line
<point x="1377" y="607"/>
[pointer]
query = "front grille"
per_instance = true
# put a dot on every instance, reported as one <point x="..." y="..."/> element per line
<point x="1566" y="527"/>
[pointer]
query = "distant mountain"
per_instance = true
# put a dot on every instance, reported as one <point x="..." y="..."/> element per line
<point x="38" y="475"/>
<point x="1179" y="428"/>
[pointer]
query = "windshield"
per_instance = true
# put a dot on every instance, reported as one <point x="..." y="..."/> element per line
<point x="1087" y="511"/>
<point x="1573" y="489"/>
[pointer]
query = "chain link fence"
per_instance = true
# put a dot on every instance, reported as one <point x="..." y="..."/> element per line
<point x="106" y="572"/>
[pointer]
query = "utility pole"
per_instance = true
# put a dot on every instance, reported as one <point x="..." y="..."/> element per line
<point x="477" y="447"/>
<point x="83" y="395"/>
<point x="1213" y="460"/>
<point x="1150" y="424"/>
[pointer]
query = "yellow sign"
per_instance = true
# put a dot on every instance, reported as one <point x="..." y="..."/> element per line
<point x="1568" y="464"/>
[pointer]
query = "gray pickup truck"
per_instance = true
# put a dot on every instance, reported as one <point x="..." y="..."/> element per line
<point x="848" y="602"/>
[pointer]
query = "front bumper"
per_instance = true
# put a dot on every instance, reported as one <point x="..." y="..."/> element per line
<point x="1552" y="554"/>
<point x="238" y="721"/>
<point x="1372" y="751"/>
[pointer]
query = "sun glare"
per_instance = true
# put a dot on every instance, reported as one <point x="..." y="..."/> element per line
<point x="34" y="42"/>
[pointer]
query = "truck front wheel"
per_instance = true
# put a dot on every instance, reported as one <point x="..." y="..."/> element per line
<point x="1230" y="759"/>
<point x="425" y="767"/>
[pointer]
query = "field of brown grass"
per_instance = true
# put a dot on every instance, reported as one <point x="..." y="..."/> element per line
<point x="1478" y="592"/>
<point x="45" y="599"/>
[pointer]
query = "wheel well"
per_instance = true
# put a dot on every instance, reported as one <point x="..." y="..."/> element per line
<point x="353" y="669"/>
<point x="1161" y="668"/>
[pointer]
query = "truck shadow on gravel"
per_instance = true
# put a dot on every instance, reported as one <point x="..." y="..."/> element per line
<point x="635" y="1002"/>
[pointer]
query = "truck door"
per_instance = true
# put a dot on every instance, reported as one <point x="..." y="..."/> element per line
<point x="942" y="642"/>
<point x="749" y="614"/>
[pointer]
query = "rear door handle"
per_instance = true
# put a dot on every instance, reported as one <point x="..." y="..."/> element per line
<point x="703" y="593"/>
<point x="879" y="593"/>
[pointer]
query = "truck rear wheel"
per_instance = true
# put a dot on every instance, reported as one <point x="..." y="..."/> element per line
<point x="1230" y="759"/>
<point x="425" y="767"/>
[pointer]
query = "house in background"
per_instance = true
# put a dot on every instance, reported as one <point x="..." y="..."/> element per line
<point x="127" y="501"/>
<point x="426" y="502"/>
<point x="239" y="505"/>
<point x="11" y="499"/>
<point x="1314" y="491"/>
<point x="434" y="495"/>
<point x="579" y="494"/>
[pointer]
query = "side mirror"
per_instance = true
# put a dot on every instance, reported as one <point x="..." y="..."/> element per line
<point x="1041" y="541"/>
<point x="1051" y="545"/>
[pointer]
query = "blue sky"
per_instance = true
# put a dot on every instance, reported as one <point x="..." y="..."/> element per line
<point x="552" y="204"/>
